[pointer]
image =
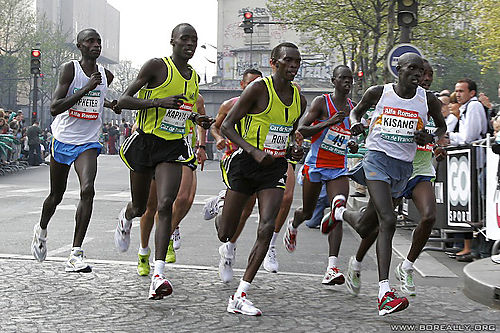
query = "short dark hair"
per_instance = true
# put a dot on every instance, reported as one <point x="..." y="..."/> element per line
<point x="337" y="68"/>
<point x="179" y="26"/>
<point x="275" y="53"/>
<point x="81" y="34"/>
<point x="470" y="84"/>
<point x="252" y="71"/>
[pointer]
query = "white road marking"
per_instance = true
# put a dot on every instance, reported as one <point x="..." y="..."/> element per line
<point x="67" y="248"/>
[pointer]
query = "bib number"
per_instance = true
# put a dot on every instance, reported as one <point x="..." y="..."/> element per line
<point x="277" y="140"/>
<point x="335" y="140"/>
<point x="87" y="108"/>
<point x="174" y="120"/>
<point x="398" y="125"/>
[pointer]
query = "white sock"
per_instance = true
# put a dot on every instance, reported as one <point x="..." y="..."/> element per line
<point x="383" y="288"/>
<point x="76" y="248"/>
<point x="231" y="247"/>
<point x="273" y="240"/>
<point x="43" y="233"/>
<point x="339" y="213"/>
<point x="407" y="265"/>
<point x="332" y="261"/>
<point x="159" y="267"/>
<point x="143" y="251"/>
<point x="242" y="288"/>
<point x="356" y="265"/>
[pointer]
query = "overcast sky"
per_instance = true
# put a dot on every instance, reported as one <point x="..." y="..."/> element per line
<point x="146" y="25"/>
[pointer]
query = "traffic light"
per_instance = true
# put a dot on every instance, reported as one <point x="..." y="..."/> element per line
<point x="35" y="61"/>
<point x="407" y="13"/>
<point x="248" y="22"/>
<point x="360" y="74"/>
<point x="34" y="115"/>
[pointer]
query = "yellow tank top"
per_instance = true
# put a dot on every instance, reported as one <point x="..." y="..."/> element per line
<point x="169" y="124"/>
<point x="270" y="129"/>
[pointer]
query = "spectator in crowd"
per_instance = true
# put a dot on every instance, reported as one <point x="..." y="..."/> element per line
<point x="33" y="133"/>
<point x="113" y="137"/>
<point x="4" y="128"/>
<point x="472" y="123"/>
<point x="121" y="130"/>
<point x="451" y="122"/>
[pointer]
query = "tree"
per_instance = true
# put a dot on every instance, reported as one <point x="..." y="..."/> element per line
<point x="487" y="24"/>
<point x="365" y="31"/>
<point x="124" y="75"/>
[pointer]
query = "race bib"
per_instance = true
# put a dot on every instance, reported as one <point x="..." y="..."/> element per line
<point x="398" y="125"/>
<point x="335" y="140"/>
<point x="429" y="128"/>
<point x="277" y="139"/>
<point x="174" y="120"/>
<point x="87" y="107"/>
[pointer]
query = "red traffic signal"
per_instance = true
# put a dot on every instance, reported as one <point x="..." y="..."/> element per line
<point x="360" y="74"/>
<point x="36" y="53"/>
<point x="248" y="15"/>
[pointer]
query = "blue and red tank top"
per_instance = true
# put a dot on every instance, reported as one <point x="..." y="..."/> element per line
<point x="329" y="147"/>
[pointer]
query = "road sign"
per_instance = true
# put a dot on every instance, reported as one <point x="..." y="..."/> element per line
<point x="396" y="52"/>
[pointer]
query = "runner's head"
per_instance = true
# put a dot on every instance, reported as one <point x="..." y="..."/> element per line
<point x="249" y="76"/>
<point x="285" y="57"/>
<point x="88" y="41"/>
<point x="410" y="70"/>
<point x="184" y="41"/>
<point x="342" y="79"/>
<point x="428" y="76"/>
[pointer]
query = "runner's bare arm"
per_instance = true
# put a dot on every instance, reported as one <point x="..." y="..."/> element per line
<point x="107" y="103"/>
<point x="147" y="75"/>
<point x="297" y="138"/>
<point x="318" y="111"/>
<point x="251" y="101"/>
<point x="370" y="97"/>
<point x="220" y="141"/>
<point x="201" y="154"/>
<point x="434" y="110"/>
<point x="61" y="103"/>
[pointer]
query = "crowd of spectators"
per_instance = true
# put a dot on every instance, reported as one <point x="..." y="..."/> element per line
<point x="113" y="135"/>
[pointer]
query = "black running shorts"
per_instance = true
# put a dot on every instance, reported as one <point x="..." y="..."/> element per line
<point x="241" y="173"/>
<point x="142" y="152"/>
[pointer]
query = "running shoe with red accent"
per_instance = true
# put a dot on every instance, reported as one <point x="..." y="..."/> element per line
<point x="290" y="237"/>
<point x="333" y="276"/>
<point x="240" y="304"/>
<point x="160" y="287"/>
<point x="328" y="225"/>
<point x="391" y="303"/>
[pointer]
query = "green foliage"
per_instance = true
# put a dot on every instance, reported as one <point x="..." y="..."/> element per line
<point x="487" y="25"/>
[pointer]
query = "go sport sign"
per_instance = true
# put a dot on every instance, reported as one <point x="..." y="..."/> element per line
<point x="459" y="187"/>
<point x="396" y="52"/>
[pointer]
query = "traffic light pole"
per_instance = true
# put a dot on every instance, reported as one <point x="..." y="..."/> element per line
<point x="34" y="112"/>
<point x="405" y="34"/>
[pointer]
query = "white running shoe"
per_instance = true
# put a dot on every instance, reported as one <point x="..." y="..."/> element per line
<point x="290" y="237"/>
<point x="353" y="278"/>
<point x="176" y="237"/>
<point x="240" y="304"/>
<point x="270" y="262"/>
<point x="38" y="244"/>
<point x="76" y="263"/>
<point x="214" y="206"/>
<point x="406" y="278"/>
<point x="333" y="276"/>
<point x="226" y="263"/>
<point x="122" y="232"/>
<point x="160" y="287"/>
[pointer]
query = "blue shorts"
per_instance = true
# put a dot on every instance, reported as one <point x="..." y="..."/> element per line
<point x="320" y="175"/>
<point x="408" y="191"/>
<point x="378" y="166"/>
<point x="66" y="153"/>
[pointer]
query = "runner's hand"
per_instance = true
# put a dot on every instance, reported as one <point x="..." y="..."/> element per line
<point x="353" y="146"/>
<point x="440" y="153"/>
<point x="299" y="138"/>
<point x="337" y="118"/>
<point x="95" y="80"/>
<point x="201" y="156"/>
<point x="171" y="102"/>
<point x="422" y="137"/>
<point x="357" y="129"/>
<point x="264" y="159"/>
<point x="204" y="121"/>
<point x="297" y="153"/>
<point x="221" y="143"/>
<point x="113" y="106"/>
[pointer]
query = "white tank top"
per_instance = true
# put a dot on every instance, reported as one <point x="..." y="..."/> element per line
<point x="83" y="121"/>
<point x="395" y="121"/>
